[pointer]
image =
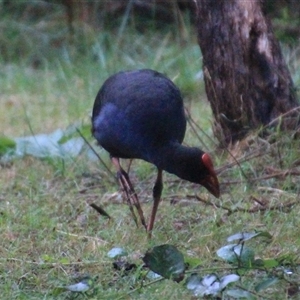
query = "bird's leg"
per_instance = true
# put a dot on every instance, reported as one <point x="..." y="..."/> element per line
<point x="124" y="185"/>
<point x="157" y="189"/>
<point x="131" y="196"/>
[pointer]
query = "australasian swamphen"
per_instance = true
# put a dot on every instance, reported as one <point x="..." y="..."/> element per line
<point x="140" y="114"/>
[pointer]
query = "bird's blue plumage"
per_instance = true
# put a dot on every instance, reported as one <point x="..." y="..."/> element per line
<point x="138" y="112"/>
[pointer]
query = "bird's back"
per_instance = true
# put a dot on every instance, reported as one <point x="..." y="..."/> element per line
<point x="136" y="112"/>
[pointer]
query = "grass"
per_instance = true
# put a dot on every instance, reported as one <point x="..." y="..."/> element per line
<point x="49" y="234"/>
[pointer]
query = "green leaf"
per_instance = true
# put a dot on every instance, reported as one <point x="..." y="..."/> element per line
<point x="72" y="132"/>
<point x="193" y="262"/>
<point x="240" y="294"/>
<point x="153" y="276"/>
<point x="47" y="145"/>
<point x="64" y="260"/>
<point x="79" y="287"/>
<point x="193" y="281"/>
<point x="266" y="283"/>
<point x="201" y="286"/>
<point x="6" y="145"/>
<point x="264" y="234"/>
<point x="209" y="284"/>
<point x="237" y="254"/>
<point x="270" y="263"/>
<point x="225" y="280"/>
<point x="245" y="236"/>
<point x="241" y="236"/>
<point x="85" y="284"/>
<point x="47" y="258"/>
<point x="116" y="252"/>
<point x="166" y="261"/>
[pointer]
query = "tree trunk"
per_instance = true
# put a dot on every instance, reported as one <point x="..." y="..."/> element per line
<point x="246" y="79"/>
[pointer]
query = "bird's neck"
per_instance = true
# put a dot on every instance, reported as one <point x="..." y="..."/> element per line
<point x="178" y="159"/>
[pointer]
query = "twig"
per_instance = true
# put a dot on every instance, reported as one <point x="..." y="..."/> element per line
<point x="100" y="210"/>
<point x="81" y="236"/>
<point x="230" y="211"/>
<point x="239" y="161"/>
<point x="193" y="124"/>
<point x="273" y="190"/>
<point x="279" y="174"/>
<point x="256" y="200"/>
<point x="144" y="285"/>
<point x="245" y="210"/>
<point x="52" y="264"/>
<point x="98" y="156"/>
<point x="281" y="116"/>
<point x="253" y="293"/>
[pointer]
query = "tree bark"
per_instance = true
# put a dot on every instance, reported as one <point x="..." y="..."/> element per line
<point x="246" y="78"/>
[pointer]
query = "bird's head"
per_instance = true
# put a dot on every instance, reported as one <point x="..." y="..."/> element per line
<point x="189" y="163"/>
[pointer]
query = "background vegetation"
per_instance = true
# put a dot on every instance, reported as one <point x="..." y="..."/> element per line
<point x="51" y="237"/>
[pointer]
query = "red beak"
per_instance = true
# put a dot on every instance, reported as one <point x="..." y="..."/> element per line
<point x="211" y="183"/>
